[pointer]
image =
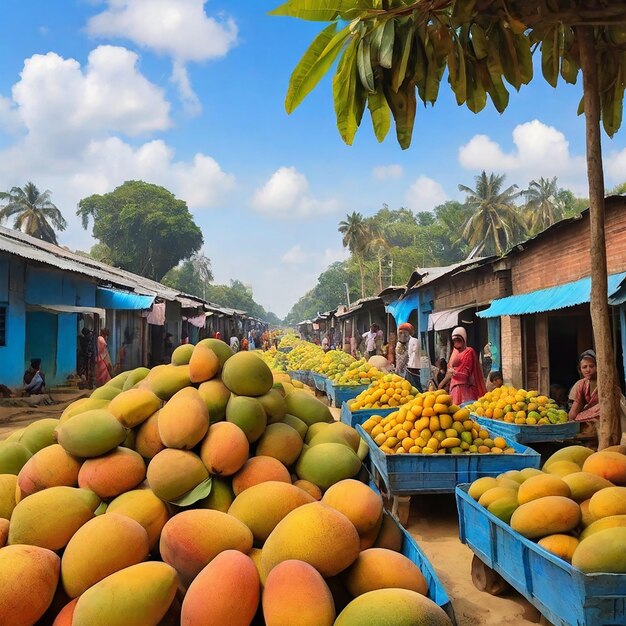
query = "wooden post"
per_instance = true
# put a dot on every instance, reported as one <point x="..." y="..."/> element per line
<point x="608" y="427"/>
<point x="543" y="354"/>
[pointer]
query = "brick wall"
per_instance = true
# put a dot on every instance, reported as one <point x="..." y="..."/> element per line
<point x="563" y="253"/>
<point x="511" y="349"/>
<point x="480" y="286"/>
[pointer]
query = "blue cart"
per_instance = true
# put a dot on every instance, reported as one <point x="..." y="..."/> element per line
<point x="338" y="394"/>
<point x="352" y="418"/>
<point x="563" y="594"/>
<point x="404" y="475"/>
<point x="319" y="380"/>
<point x="530" y="434"/>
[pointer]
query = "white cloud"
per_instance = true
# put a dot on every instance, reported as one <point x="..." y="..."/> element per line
<point x="540" y="150"/>
<point x="287" y="195"/>
<point x="295" y="256"/>
<point x="189" y="98"/>
<point x="316" y="259"/>
<point x="386" y="172"/>
<point x="425" y="194"/>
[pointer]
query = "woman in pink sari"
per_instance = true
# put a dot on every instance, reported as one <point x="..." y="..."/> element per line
<point x="586" y="407"/>
<point x="464" y="373"/>
<point x="103" y="360"/>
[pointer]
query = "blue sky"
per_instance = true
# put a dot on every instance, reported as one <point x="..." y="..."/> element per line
<point x="189" y="95"/>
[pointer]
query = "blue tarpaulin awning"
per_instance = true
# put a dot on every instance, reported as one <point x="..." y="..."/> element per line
<point x="122" y="300"/>
<point x="549" y="299"/>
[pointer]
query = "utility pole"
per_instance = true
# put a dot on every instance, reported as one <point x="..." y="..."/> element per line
<point x="347" y="293"/>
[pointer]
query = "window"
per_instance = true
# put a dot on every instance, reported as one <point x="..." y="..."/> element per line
<point x="3" y="325"/>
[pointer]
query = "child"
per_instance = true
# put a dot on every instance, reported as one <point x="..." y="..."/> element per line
<point x="494" y="380"/>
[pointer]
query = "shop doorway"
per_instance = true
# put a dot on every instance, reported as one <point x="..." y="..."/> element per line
<point x="563" y="333"/>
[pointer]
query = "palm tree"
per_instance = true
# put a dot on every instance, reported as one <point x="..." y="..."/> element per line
<point x="356" y="235"/>
<point x="496" y="223"/>
<point x="544" y="205"/>
<point x="33" y="212"/>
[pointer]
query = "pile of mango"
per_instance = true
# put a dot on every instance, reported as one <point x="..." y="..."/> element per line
<point x="276" y="360"/>
<point x="575" y="507"/>
<point x="387" y="392"/>
<point x="305" y="356"/>
<point x="431" y="424"/>
<point x="359" y="372"/>
<point x="334" y="362"/>
<point x="518" y="406"/>
<point x="289" y="340"/>
<point x="206" y="491"/>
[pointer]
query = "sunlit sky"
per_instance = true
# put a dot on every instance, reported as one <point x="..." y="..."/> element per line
<point x="189" y="95"/>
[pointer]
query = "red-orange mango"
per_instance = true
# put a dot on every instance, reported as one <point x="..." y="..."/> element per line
<point x="148" y="441"/>
<point x="608" y="465"/>
<point x="50" y="467"/>
<point x="114" y="473"/>
<point x="608" y="501"/>
<point x="260" y="469"/>
<point x="357" y="501"/>
<point x="225" y="449"/>
<point x="184" y="420"/>
<point x="203" y="365"/>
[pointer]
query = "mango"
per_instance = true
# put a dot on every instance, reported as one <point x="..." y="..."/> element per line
<point x="587" y="519"/>
<point x="144" y="507"/>
<point x="216" y="396"/>
<point x="515" y="475"/>
<point x="307" y="407"/>
<point x="13" y="457"/>
<point x="203" y="364"/>
<point x="218" y="346"/>
<point x="545" y="516"/>
<point x="491" y="495"/>
<point x="608" y="465"/>
<point x="408" y="608"/>
<point x="104" y="545"/>
<point x="4" y="531"/>
<point x="584" y="484"/>
<point x="390" y="535"/>
<point x="118" y="381"/>
<point x="193" y="538"/>
<point x="173" y="473"/>
<point x="327" y="464"/>
<point x="148" y="442"/>
<point x="134" y="406"/>
<point x="314" y="533"/>
<point x="166" y="380"/>
<point x="114" y="473"/>
<point x="66" y="614"/>
<point x="140" y="595"/>
<point x="608" y="501"/>
<point x="504" y="507"/>
<point x="221" y="496"/>
<point x="247" y="413"/>
<point x="363" y="450"/>
<point x="274" y="404"/>
<point x="8" y="484"/>
<point x="563" y="468"/>
<point x="562" y="546"/>
<point x="15" y="435"/>
<point x="378" y="568"/>
<point x="184" y="420"/>
<point x="360" y="504"/>
<point x="260" y="469"/>
<point x="314" y="429"/>
<point x="182" y="354"/>
<point x="603" y="551"/>
<point x="106" y="392"/>
<point x="28" y="581"/>
<point x="81" y="406"/>
<point x="575" y="454"/>
<point x="91" y="434"/>
<point x="50" y="467"/>
<point x="612" y="521"/>
<point x="368" y="538"/>
<point x="49" y="518"/>
<point x="310" y="488"/>
<point x="281" y="442"/>
<point x="245" y="374"/>
<point x="480" y="485"/>
<point x="39" y="434"/>
<point x="263" y="506"/>
<point x="226" y="591"/>
<point x="134" y="376"/>
<point x="527" y="472"/>
<point x="295" y="588"/>
<point x="225" y="449"/>
<point x="540" y="486"/>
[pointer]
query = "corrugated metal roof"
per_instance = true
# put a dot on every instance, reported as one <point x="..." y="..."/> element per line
<point x="123" y="301"/>
<point x="549" y="299"/>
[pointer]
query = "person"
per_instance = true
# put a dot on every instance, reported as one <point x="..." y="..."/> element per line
<point x="370" y="340"/>
<point x="252" y="340"/>
<point x="86" y="354"/>
<point x="244" y="344"/>
<point x="494" y="380"/>
<point x="391" y="348"/>
<point x="379" y="341"/>
<point x="407" y="355"/>
<point x="34" y="378"/>
<point x="218" y="335"/>
<point x="439" y="373"/>
<point x="325" y="343"/>
<point x="586" y="407"/>
<point x="168" y="347"/>
<point x="464" y="373"/>
<point x="487" y="360"/>
<point x="234" y="343"/>
<point x="103" y="360"/>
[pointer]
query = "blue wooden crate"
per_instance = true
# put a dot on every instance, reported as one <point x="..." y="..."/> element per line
<point x="338" y="394"/>
<point x="408" y="474"/>
<point x="319" y="380"/>
<point x="352" y="418"/>
<point x="563" y="594"/>
<point x="529" y="434"/>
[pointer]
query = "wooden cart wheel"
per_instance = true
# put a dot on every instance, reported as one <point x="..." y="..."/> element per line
<point x="486" y="579"/>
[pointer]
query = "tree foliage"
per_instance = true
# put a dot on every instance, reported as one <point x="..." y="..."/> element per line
<point x="34" y="212"/>
<point x="191" y="276"/>
<point x="147" y="230"/>
<point x="239" y="296"/>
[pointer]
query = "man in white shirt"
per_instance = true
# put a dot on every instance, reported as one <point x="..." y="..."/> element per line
<point x="370" y="340"/>
<point x="408" y="355"/>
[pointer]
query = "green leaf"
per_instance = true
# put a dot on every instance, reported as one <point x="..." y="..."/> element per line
<point x="434" y="71"/>
<point x="344" y="92"/>
<point x="314" y="64"/>
<point x="323" y="10"/>
<point x="508" y="57"/>
<point x="524" y="58"/>
<point x="456" y="72"/>
<point x="612" y="103"/>
<point x="381" y="115"/>
<point x="476" y="93"/>
<point x="569" y="70"/>
<point x="403" y="105"/>
<point x="550" y="56"/>
<point x="462" y="12"/>
<point x="385" y="54"/>
<point x="420" y="66"/>
<point x="197" y="493"/>
<point x="479" y="41"/>
<point x="364" y="64"/>
<point x="404" y="36"/>
<point x="581" y="106"/>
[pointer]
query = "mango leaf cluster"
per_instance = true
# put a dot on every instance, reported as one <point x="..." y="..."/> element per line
<point x="393" y="52"/>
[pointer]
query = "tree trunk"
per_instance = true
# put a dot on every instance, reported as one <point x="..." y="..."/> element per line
<point x="609" y="425"/>
<point x="380" y="273"/>
<point x="362" y="272"/>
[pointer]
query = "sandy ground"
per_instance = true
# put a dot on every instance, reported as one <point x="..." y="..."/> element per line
<point x="433" y="523"/>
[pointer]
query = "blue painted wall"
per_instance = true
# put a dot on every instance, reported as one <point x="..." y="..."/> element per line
<point x="41" y="341"/>
<point x="47" y="286"/>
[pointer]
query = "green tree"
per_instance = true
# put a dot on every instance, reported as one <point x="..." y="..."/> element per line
<point x="34" y="212"/>
<point x="495" y="224"/>
<point x="191" y="276"/>
<point x="391" y="52"/>
<point x="544" y="204"/>
<point x="239" y="296"/>
<point x="146" y="228"/>
<point x="356" y="235"/>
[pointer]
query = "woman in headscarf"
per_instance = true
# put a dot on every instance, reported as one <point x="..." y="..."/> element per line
<point x="104" y="366"/>
<point x="464" y="372"/>
<point x="586" y="407"/>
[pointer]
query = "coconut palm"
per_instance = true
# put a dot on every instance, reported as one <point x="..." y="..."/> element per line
<point x="544" y="205"/>
<point x="356" y="235"/>
<point x="496" y="223"/>
<point x="34" y="212"/>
